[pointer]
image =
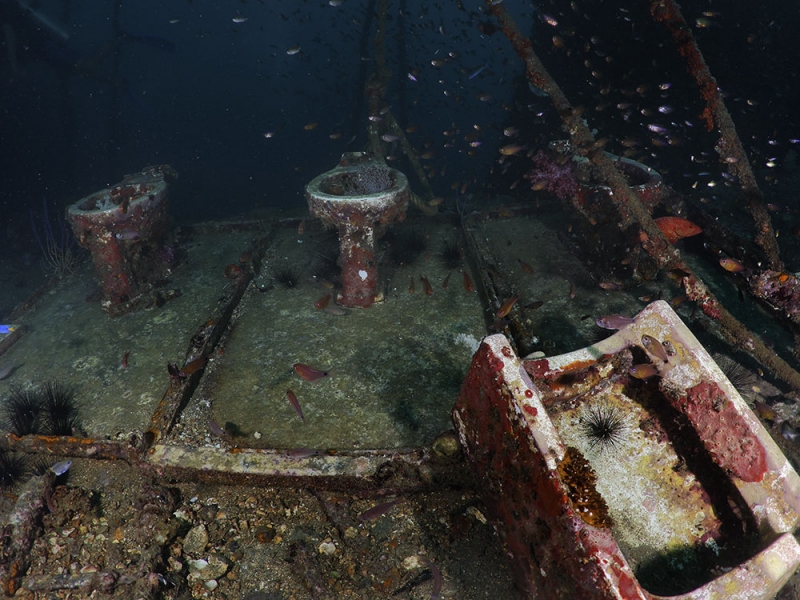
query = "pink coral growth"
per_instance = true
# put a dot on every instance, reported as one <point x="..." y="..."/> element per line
<point x="557" y="179"/>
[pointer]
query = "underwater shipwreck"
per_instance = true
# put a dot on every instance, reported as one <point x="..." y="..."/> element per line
<point x="578" y="380"/>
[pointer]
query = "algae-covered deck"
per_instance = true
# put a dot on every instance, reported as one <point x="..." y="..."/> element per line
<point x="195" y="473"/>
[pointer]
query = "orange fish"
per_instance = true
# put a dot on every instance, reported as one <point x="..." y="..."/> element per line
<point x="525" y="266"/>
<point x="292" y="398"/>
<point x="323" y="302"/>
<point x="310" y="373"/>
<point x="765" y="411"/>
<point x="193" y="366"/>
<point x="511" y="149"/>
<point x="468" y="285"/>
<point x="643" y="371"/>
<point x="654" y="347"/>
<point x="675" y="228"/>
<point x="426" y="285"/>
<point x="732" y="265"/>
<point x="507" y="306"/>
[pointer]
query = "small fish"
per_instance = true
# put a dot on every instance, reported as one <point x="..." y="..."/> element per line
<point x="411" y="288"/>
<point x="127" y="235"/>
<point x="525" y="266"/>
<point x="61" y="467"/>
<point x="218" y="431"/>
<point x="613" y="321"/>
<point x="572" y="290"/>
<point x="765" y="411"/>
<point x="380" y="509"/>
<point x="643" y="371"/>
<point x="732" y="265"/>
<point x="534" y="305"/>
<point x="675" y="228"/>
<point x="511" y="149"/>
<point x="677" y="275"/>
<point x="387" y="137"/>
<point x="788" y="432"/>
<point x="506" y="307"/>
<point x="292" y="398"/>
<point x="678" y="300"/>
<point x="7" y="370"/>
<point x="321" y="303"/>
<point x="301" y="452"/>
<point x="310" y="126"/>
<point x="468" y="285"/>
<point x="192" y="366"/>
<point x="334" y="310"/>
<point x="436" y="590"/>
<point x="310" y="373"/>
<point x="239" y="19"/>
<point x="610" y="285"/>
<point x="414" y="582"/>
<point x="125" y="357"/>
<point x="654" y="347"/>
<point x="426" y="286"/>
<point x="476" y="73"/>
<point x="7" y="328"/>
<point x="293" y="50"/>
<point x="488" y="28"/>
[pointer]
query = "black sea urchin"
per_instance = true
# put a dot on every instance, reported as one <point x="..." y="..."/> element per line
<point x="13" y="469"/>
<point x="405" y="246"/>
<point x="743" y="379"/>
<point x="60" y="408"/>
<point x="451" y="254"/>
<point x="21" y="411"/>
<point x="604" y="426"/>
<point x="325" y="265"/>
<point x="287" y="277"/>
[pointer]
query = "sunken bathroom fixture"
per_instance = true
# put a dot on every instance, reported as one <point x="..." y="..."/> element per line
<point x="124" y="227"/>
<point x="629" y="469"/>
<point x="360" y="197"/>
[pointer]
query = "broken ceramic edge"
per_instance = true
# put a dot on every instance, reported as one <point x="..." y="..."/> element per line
<point x="768" y="571"/>
<point x="774" y="499"/>
<point x="277" y="463"/>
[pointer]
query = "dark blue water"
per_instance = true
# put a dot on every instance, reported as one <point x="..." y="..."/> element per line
<point x="140" y="83"/>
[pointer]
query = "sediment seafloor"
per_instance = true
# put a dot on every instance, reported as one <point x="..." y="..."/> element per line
<point x="210" y="485"/>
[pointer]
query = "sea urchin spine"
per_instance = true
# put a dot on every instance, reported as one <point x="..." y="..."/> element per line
<point x="604" y="426"/>
<point x="21" y="411"/>
<point x="13" y="469"/>
<point x="61" y="408"/>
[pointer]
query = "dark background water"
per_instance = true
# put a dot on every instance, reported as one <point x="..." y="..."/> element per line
<point x="200" y="92"/>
